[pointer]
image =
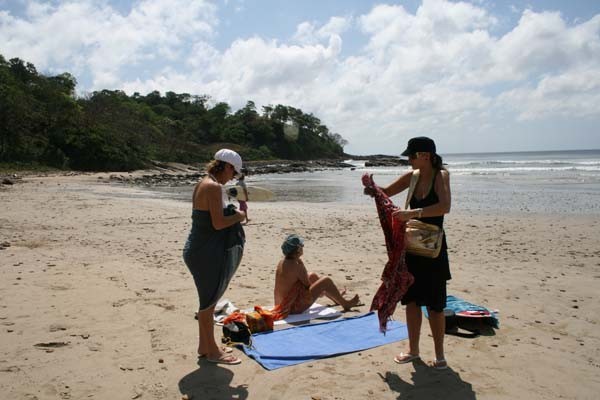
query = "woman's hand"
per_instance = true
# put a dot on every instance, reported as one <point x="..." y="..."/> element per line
<point x="404" y="215"/>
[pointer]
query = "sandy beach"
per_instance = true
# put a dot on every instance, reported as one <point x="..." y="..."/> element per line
<point x="96" y="302"/>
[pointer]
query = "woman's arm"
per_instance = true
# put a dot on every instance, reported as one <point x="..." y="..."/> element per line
<point x="395" y="187"/>
<point x="442" y="189"/>
<point x="302" y="274"/>
<point x="213" y="194"/>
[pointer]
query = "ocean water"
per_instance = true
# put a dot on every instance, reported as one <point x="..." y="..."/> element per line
<point x="549" y="181"/>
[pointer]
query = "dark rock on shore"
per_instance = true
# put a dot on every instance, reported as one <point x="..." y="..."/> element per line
<point x="286" y="166"/>
<point x="9" y="179"/>
<point x="380" y="160"/>
<point x="173" y="174"/>
<point x="159" y="179"/>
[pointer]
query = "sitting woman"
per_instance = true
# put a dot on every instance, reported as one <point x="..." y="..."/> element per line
<point x="296" y="289"/>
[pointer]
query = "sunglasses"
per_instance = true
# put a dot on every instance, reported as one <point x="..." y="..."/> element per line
<point x="416" y="155"/>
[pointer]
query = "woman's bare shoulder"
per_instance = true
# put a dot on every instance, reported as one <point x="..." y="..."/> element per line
<point x="208" y="186"/>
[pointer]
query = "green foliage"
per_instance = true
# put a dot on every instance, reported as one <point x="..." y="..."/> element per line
<point x="42" y="123"/>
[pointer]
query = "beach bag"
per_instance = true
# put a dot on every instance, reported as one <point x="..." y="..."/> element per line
<point x="422" y="239"/>
<point x="260" y="320"/>
<point x="235" y="330"/>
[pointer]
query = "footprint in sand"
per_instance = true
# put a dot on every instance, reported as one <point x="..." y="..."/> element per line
<point x="51" y="345"/>
<point x="57" y="327"/>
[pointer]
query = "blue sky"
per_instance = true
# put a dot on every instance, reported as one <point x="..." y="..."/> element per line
<point x="477" y="76"/>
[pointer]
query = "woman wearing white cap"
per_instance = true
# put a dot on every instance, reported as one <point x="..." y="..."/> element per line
<point x="214" y="248"/>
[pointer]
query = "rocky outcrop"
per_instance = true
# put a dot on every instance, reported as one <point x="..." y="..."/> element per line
<point x="172" y="174"/>
<point x="380" y="160"/>
<point x="285" y="166"/>
<point x="9" y="179"/>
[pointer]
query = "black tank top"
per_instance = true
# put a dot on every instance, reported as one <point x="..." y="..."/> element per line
<point x="430" y="199"/>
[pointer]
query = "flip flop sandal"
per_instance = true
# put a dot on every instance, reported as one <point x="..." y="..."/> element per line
<point x="224" y="349"/>
<point x="439" y="364"/>
<point x="227" y="360"/>
<point x="405" y="358"/>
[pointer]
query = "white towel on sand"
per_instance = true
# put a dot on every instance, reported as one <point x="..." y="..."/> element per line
<point x="314" y="312"/>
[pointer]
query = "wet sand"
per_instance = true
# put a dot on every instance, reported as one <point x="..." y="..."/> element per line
<point x="96" y="302"/>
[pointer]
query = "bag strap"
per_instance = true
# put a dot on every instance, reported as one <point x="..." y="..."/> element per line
<point x="411" y="189"/>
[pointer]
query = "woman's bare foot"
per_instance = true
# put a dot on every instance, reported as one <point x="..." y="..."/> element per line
<point x="223" y="357"/>
<point x="439" y="364"/>
<point x="224" y="349"/>
<point x="227" y="359"/>
<point x="335" y="303"/>
<point x="353" y="302"/>
<point x="404" y="358"/>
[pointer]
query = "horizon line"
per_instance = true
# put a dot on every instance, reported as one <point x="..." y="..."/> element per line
<point x="482" y="152"/>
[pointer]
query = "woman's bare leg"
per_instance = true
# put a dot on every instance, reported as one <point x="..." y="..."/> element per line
<point x="207" y="344"/>
<point x="313" y="277"/>
<point x="326" y="286"/>
<point x="437" y="323"/>
<point x="205" y="331"/>
<point x="414" y="318"/>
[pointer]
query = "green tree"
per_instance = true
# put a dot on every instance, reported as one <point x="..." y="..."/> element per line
<point x="41" y="119"/>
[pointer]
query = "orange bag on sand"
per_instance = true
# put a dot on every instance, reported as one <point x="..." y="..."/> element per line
<point x="260" y="320"/>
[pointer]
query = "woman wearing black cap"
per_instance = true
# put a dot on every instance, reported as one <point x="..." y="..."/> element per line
<point x="429" y="203"/>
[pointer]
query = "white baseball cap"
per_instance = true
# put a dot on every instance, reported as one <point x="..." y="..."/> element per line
<point x="231" y="157"/>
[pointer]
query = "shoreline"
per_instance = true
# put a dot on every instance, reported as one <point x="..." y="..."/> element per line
<point x="100" y="275"/>
<point x="171" y="173"/>
<point x="140" y="184"/>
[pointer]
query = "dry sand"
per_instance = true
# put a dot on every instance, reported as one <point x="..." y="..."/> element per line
<point x="96" y="302"/>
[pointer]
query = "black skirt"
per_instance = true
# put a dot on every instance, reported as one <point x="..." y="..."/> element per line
<point x="431" y="274"/>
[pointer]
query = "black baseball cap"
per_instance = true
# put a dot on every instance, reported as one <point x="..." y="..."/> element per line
<point x="419" y="144"/>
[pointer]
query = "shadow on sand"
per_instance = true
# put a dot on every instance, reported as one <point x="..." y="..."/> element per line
<point x="211" y="381"/>
<point x="429" y="383"/>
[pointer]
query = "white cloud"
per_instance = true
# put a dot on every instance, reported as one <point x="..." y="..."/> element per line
<point x="308" y="33"/>
<point x="575" y="93"/>
<point x="335" y="26"/>
<point x="58" y="37"/>
<point x="252" y="69"/>
<point x="305" y="33"/>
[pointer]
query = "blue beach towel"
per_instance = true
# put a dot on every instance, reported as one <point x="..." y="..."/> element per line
<point x="304" y="343"/>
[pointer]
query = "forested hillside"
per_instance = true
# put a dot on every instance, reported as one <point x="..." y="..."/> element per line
<point x="43" y="122"/>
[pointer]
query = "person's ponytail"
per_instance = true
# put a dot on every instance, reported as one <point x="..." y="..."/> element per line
<point x="436" y="162"/>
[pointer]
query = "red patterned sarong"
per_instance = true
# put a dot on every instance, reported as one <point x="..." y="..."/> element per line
<point x="297" y="301"/>
<point x="395" y="277"/>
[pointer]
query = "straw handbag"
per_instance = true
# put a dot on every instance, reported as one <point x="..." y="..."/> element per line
<point x="422" y="239"/>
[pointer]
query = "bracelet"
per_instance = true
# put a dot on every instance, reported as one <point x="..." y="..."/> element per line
<point x="420" y="212"/>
